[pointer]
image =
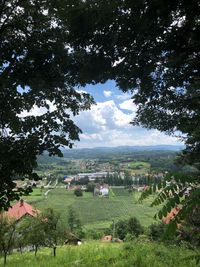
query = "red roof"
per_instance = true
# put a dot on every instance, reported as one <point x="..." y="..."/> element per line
<point x="21" y="209"/>
<point x="171" y="215"/>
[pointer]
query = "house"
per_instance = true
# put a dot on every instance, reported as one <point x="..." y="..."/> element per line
<point x="73" y="240"/>
<point x="68" y="181"/>
<point x="104" y="191"/>
<point x="101" y="190"/>
<point x="21" y="209"/>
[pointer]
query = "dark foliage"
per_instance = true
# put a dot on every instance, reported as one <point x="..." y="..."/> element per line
<point x="78" y="192"/>
<point x="131" y="226"/>
<point x="35" y="73"/>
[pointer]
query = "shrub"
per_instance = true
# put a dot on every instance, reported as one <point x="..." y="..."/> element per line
<point x="156" y="231"/>
<point x="131" y="226"/>
<point x="78" y="192"/>
<point x="134" y="227"/>
<point x="90" y="187"/>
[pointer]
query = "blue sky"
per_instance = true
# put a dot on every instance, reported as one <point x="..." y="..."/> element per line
<point x="108" y="122"/>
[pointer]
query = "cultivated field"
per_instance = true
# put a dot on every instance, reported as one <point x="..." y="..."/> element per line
<point x="95" y="212"/>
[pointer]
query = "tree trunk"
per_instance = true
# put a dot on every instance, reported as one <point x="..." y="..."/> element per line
<point x="5" y="258"/>
<point x="54" y="251"/>
<point x="36" y="249"/>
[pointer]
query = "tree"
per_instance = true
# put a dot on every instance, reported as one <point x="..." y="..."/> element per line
<point x="53" y="233"/>
<point x="78" y="192"/>
<point x="7" y="235"/>
<point x="134" y="227"/>
<point x="37" y="100"/>
<point x="156" y="231"/>
<point x="31" y="232"/>
<point x="127" y="178"/>
<point x="74" y="223"/>
<point x="90" y="187"/>
<point x="131" y="226"/>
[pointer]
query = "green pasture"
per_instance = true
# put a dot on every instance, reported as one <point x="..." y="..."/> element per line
<point x="140" y="253"/>
<point x="139" y="165"/>
<point x="95" y="212"/>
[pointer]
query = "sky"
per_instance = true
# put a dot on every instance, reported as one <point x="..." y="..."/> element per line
<point x="107" y="124"/>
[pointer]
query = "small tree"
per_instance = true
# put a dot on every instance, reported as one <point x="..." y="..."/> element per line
<point x="7" y="233"/>
<point x="131" y="226"/>
<point x="156" y="231"/>
<point x="121" y="228"/>
<point x="90" y="187"/>
<point x="74" y="223"/>
<point x="33" y="232"/>
<point x="78" y="192"/>
<point x="134" y="227"/>
<point x="53" y="234"/>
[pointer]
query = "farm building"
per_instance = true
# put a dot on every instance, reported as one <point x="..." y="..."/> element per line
<point x="102" y="190"/>
<point x="21" y="209"/>
<point x="68" y="180"/>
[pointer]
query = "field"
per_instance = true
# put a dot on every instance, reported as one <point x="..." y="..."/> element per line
<point x="140" y="253"/>
<point x="95" y="212"/>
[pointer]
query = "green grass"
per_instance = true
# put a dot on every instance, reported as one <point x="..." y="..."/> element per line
<point x="120" y="192"/>
<point x="96" y="212"/>
<point x="95" y="254"/>
<point x="139" y="164"/>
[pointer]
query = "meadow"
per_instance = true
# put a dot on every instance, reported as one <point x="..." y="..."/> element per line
<point x="95" y="212"/>
<point x="139" y="253"/>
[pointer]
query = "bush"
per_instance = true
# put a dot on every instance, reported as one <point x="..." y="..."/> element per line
<point x="121" y="229"/>
<point x="93" y="234"/>
<point x="129" y="237"/>
<point x="134" y="227"/>
<point x="90" y="187"/>
<point x="131" y="226"/>
<point x="156" y="231"/>
<point x="78" y="192"/>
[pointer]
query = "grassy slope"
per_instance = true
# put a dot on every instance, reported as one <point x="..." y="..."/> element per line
<point x="95" y="254"/>
<point x="96" y="212"/>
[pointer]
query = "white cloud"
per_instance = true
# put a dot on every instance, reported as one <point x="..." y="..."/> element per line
<point x="107" y="125"/>
<point x="38" y="111"/>
<point x="81" y="91"/>
<point x="131" y="137"/>
<point x="103" y="116"/>
<point x="124" y="96"/>
<point x="107" y="93"/>
<point x="128" y="105"/>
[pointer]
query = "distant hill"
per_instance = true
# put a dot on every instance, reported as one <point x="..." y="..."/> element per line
<point x="99" y="151"/>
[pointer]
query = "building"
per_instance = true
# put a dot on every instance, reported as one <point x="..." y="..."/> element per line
<point x="104" y="191"/>
<point x="68" y="180"/>
<point x="101" y="190"/>
<point x="21" y="209"/>
<point x="91" y="176"/>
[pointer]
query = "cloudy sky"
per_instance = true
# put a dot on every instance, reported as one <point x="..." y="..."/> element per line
<point x="108" y="122"/>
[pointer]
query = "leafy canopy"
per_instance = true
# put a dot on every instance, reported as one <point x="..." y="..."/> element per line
<point x="151" y="48"/>
<point x="37" y="98"/>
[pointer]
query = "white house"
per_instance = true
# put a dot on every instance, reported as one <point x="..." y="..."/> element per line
<point x="104" y="192"/>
